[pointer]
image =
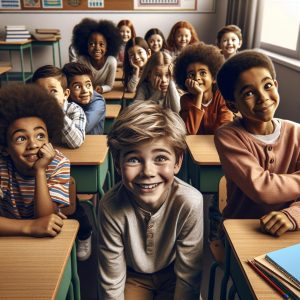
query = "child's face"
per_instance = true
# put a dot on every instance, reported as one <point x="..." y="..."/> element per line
<point x="138" y="56"/>
<point x="256" y="97"/>
<point x="81" y="89"/>
<point x="183" y="37"/>
<point x="155" y="42"/>
<point x="25" y="137"/>
<point x="125" y="33"/>
<point x="160" y="78"/>
<point x="230" y="43"/>
<point x="201" y="74"/>
<point x="97" y="46"/>
<point x="148" y="171"/>
<point x="53" y="86"/>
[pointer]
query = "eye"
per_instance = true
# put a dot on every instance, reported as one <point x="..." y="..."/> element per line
<point x="88" y="85"/>
<point x="203" y="73"/>
<point x="20" y="138"/>
<point x="92" y="44"/>
<point x="41" y="136"/>
<point x="248" y="94"/>
<point x="268" y="85"/>
<point x="190" y="75"/>
<point x="77" y="87"/>
<point x="132" y="160"/>
<point x="161" y="158"/>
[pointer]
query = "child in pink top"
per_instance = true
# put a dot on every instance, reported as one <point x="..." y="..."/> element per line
<point x="259" y="153"/>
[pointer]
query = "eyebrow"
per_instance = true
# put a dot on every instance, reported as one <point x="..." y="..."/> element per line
<point x="78" y="82"/>
<point x="249" y="85"/>
<point x="154" y="151"/>
<point x="23" y="130"/>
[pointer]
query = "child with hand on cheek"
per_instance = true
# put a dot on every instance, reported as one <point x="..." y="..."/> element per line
<point x="34" y="177"/>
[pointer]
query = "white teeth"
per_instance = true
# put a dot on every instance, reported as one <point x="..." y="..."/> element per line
<point x="148" y="186"/>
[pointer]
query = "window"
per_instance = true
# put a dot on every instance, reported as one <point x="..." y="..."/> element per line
<point x="280" y="27"/>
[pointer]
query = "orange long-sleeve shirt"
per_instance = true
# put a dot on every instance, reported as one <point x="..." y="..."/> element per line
<point x="207" y="119"/>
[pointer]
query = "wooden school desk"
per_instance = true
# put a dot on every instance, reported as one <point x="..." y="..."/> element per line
<point x="112" y="111"/>
<point x="4" y="70"/>
<point x="89" y="164"/>
<point x="20" y="47"/>
<point x="244" y="241"/>
<point x="118" y="96"/>
<point x="119" y="73"/>
<point x="40" y="268"/>
<point x="204" y="163"/>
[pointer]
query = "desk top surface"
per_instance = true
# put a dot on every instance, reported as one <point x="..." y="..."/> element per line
<point x="117" y="92"/>
<point x="203" y="149"/>
<point x="92" y="152"/>
<point x="112" y="110"/>
<point x="4" y="69"/>
<point x="248" y="242"/>
<point x="119" y="73"/>
<point x="15" y="43"/>
<point x="32" y="268"/>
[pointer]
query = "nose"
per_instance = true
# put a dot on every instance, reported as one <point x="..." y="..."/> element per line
<point x="164" y="78"/>
<point x="32" y="143"/>
<point x="262" y="96"/>
<point x="148" y="169"/>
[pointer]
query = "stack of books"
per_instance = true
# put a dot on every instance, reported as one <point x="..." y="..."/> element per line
<point x="16" y="33"/>
<point x="44" y="34"/>
<point x="281" y="269"/>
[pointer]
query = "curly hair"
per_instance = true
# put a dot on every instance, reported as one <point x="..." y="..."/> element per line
<point x="181" y="24"/>
<point x="230" y="72"/>
<point x="129" y="24"/>
<point x="83" y="30"/>
<point x="127" y="67"/>
<point x="153" y="31"/>
<point x="73" y="69"/>
<point x="142" y="122"/>
<point x="50" y="71"/>
<point x="208" y="55"/>
<point x="229" y="28"/>
<point x="22" y="101"/>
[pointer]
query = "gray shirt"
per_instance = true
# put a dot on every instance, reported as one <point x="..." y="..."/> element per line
<point x="131" y="236"/>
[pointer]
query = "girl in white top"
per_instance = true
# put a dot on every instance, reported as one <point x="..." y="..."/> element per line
<point x="97" y="44"/>
<point x="157" y="84"/>
<point x="136" y="56"/>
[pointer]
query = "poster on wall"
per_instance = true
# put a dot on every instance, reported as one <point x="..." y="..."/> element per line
<point x="32" y="3"/>
<point x="96" y="3"/>
<point x="10" y="4"/>
<point x="52" y="4"/>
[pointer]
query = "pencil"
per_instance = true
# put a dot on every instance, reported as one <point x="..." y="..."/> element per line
<point x="268" y="280"/>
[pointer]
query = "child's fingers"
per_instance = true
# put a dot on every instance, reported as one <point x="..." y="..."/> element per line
<point x="281" y="230"/>
<point x="60" y="214"/>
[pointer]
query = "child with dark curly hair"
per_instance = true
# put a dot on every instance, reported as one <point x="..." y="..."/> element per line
<point x="97" y="44"/>
<point x="181" y="35"/>
<point x="34" y="177"/>
<point x="137" y="53"/>
<point x="203" y="108"/>
<point x="156" y="40"/>
<point x="127" y="32"/>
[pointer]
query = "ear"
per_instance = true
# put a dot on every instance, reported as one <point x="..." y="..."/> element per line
<point x="178" y="164"/>
<point x="232" y="106"/>
<point x="149" y="52"/>
<point x="240" y="44"/>
<point x="276" y="83"/>
<point x="67" y="93"/>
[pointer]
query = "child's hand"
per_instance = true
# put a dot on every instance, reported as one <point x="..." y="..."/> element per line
<point x="45" y="226"/>
<point x="99" y="89"/>
<point x="46" y="155"/>
<point x="135" y="66"/>
<point x="193" y="86"/>
<point x="275" y="223"/>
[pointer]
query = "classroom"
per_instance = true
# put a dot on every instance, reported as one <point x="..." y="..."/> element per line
<point x="234" y="174"/>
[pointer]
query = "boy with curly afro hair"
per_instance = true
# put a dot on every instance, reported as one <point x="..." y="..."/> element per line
<point x="34" y="177"/>
<point x="97" y="44"/>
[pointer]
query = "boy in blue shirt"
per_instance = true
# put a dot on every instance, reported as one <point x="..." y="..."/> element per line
<point x="79" y="78"/>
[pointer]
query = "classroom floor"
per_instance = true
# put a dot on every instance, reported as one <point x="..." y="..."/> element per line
<point x="88" y="270"/>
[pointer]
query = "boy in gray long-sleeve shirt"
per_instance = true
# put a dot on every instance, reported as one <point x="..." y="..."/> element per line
<point x="151" y="223"/>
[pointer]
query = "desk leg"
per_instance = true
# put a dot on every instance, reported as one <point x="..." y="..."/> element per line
<point x="75" y="278"/>
<point x="59" y="54"/>
<point x="31" y="61"/>
<point x="70" y="295"/>
<point x="53" y="55"/>
<point x="22" y="64"/>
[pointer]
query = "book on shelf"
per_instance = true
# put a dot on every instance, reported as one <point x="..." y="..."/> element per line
<point x="18" y="36"/>
<point x="16" y="40"/>
<point x="17" y="32"/>
<point x="15" y="27"/>
<point x="45" y="37"/>
<point x="47" y="31"/>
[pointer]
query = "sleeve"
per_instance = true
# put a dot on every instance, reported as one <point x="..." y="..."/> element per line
<point x="59" y="179"/>
<point x="111" y="75"/>
<point x="112" y="264"/>
<point x="74" y="126"/>
<point x="173" y="98"/>
<point x="224" y="114"/>
<point x="243" y="168"/>
<point x="132" y="83"/>
<point x="96" y="113"/>
<point x="189" y="251"/>
<point x="191" y="115"/>
<point x="72" y="54"/>
<point x="141" y="93"/>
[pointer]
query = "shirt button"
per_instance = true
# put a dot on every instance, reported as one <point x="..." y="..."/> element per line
<point x="270" y="148"/>
<point x="271" y="160"/>
<point x="150" y="226"/>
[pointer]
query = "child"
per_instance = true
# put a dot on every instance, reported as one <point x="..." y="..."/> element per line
<point x="34" y="177"/>
<point x="98" y="44"/>
<point x="229" y="40"/>
<point x="127" y="32"/>
<point x="259" y="153"/>
<point x="81" y="91"/>
<point x="181" y="35"/>
<point x="157" y="84"/>
<point x="156" y="40"/>
<point x="137" y="53"/>
<point x="55" y="82"/>
<point x="151" y="223"/>
<point x="202" y="108"/>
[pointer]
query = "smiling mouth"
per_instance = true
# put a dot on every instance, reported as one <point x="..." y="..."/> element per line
<point x="147" y="186"/>
<point x="31" y="157"/>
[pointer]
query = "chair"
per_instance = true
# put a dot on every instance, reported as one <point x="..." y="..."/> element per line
<point x="218" y="252"/>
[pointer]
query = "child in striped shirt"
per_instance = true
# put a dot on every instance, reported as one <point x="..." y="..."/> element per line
<point x="34" y="177"/>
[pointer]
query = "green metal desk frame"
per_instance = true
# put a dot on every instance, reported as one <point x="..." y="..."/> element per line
<point x="23" y="76"/>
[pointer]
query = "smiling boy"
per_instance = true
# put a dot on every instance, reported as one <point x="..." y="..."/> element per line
<point x="34" y="177"/>
<point x="259" y="153"/>
<point x="151" y="223"/>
